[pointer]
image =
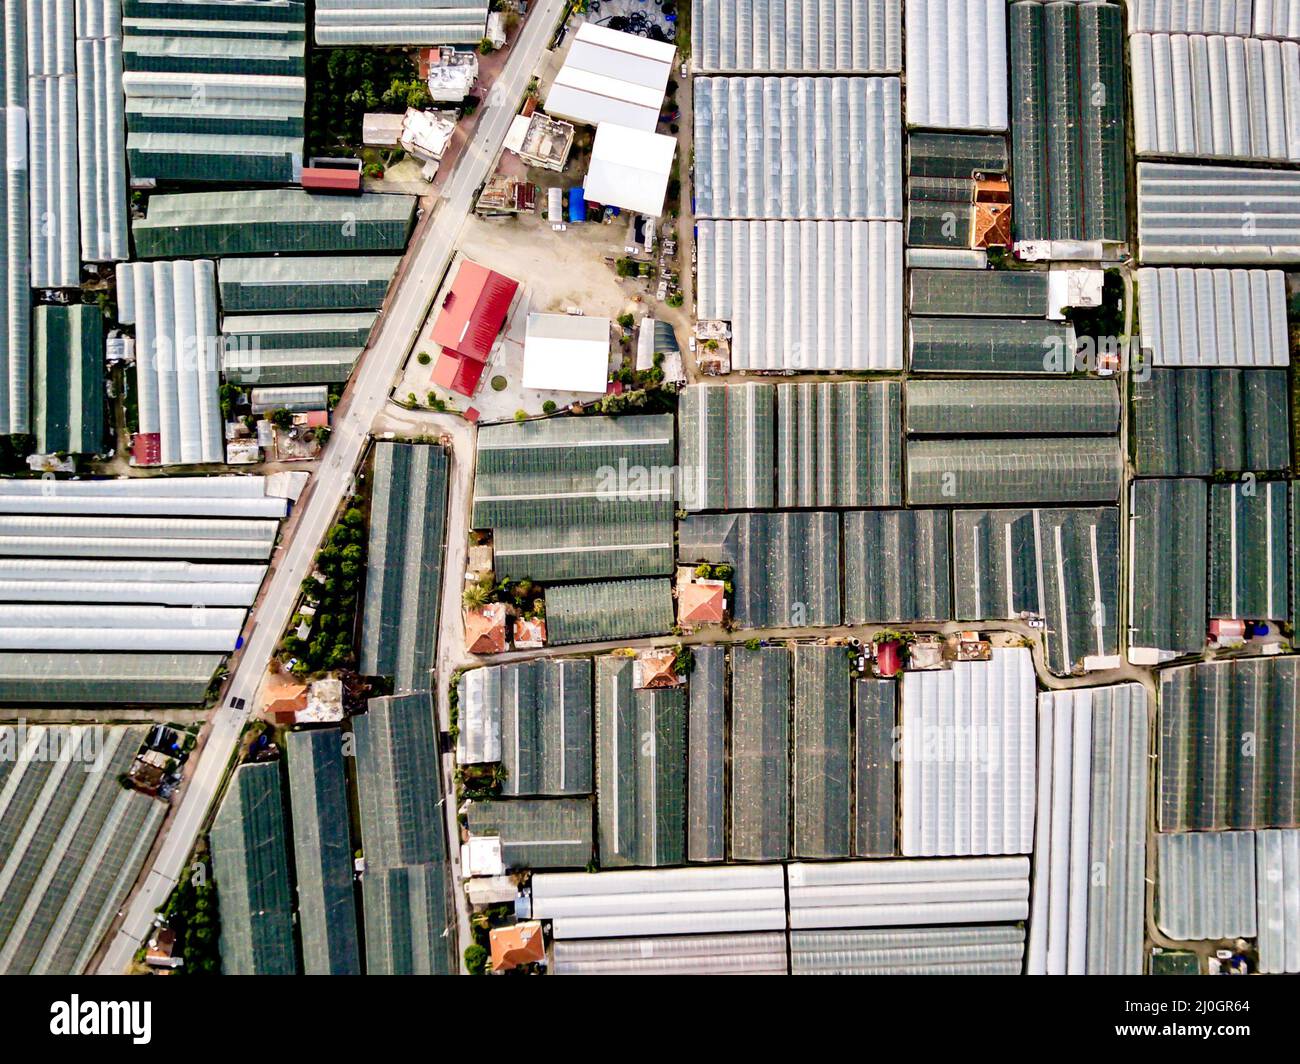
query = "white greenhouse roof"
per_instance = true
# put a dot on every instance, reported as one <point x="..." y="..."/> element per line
<point x="957" y="64"/>
<point x="566" y="353"/>
<point x="630" y="169"/>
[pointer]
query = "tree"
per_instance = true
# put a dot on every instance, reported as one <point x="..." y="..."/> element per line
<point x="626" y="267"/>
<point x="476" y="957"/>
<point x="548" y="407"/>
<point x="423" y="358"/>
<point x="521" y="415"/>
<point x="626" y="320"/>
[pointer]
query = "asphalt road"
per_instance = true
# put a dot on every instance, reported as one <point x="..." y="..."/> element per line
<point x="365" y="399"/>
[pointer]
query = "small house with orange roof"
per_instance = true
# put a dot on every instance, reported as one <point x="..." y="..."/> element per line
<point x="485" y="629"/>
<point x="517" y="945"/>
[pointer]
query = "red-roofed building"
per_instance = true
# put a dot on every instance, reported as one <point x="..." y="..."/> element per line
<point x="472" y="314"/>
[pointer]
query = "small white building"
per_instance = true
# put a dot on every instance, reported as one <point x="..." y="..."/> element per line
<point x="426" y="134"/>
<point x="566" y="353"/>
<point x="630" y="169"/>
<point x="610" y="76"/>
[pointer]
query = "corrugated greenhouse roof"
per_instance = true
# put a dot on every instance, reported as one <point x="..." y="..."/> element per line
<point x="1092" y="794"/>
<point x="1077" y="406"/>
<point x="971" y="472"/>
<point x="1198" y="422"/>
<point x="984" y="949"/>
<point x="479" y="705"/>
<point x="992" y="293"/>
<point x="805" y="296"/>
<point x="823" y="753"/>
<point x="967" y="772"/>
<point x="1062" y="565"/>
<point x="537" y="832"/>
<point x="896" y="566"/>
<point x="375" y="23"/>
<point x="1067" y="92"/>
<point x="101" y="135"/>
<point x="1194" y="214"/>
<point x="1213" y="317"/>
<point x="282" y="349"/>
<point x="616" y="609"/>
<point x="250" y="863"/>
<point x="546" y="727"/>
<point x="839" y="444"/>
<point x="838" y="154"/>
<point x="1206" y="885"/>
<point x="1249" y="550"/>
<point x="1277" y="896"/>
<point x="727" y="444"/>
<point x="990" y="345"/>
<point x="68" y="345"/>
<point x="1272" y="18"/>
<point x="408" y="513"/>
<point x="757" y="953"/>
<point x="760" y="754"/>
<point x="409" y="929"/>
<point x="341" y="282"/>
<point x="41" y="677"/>
<point x="1205" y="783"/>
<point x="786" y="564"/>
<point x="707" y="756"/>
<point x="957" y="64"/>
<point x="272" y="221"/>
<point x="875" y="787"/>
<point x="640" y="769"/>
<point x="813" y="36"/>
<point x="578" y="498"/>
<point x="1219" y="16"/>
<point x="322" y="849"/>
<point x="940" y="184"/>
<point x="1167" y="565"/>
<point x="72" y="841"/>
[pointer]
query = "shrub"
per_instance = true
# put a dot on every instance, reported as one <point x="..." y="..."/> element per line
<point x="498" y="383"/>
<point x="476" y="956"/>
<point x="423" y="358"/>
<point x="626" y="320"/>
<point x="548" y="407"/>
<point x="521" y="415"/>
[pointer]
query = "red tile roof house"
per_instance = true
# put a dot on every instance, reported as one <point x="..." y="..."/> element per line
<point x="472" y="314"/>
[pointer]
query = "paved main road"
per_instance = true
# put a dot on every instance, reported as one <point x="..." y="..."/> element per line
<point x="367" y="393"/>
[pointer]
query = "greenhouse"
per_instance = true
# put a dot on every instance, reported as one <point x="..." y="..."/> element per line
<point x="991" y="345"/>
<point x="1082" y="406"/>
<point x="727" y="434"/>
<point x="333" y="283"/>
<point x="760" y="754"/>
<point x="707" y="755"/>
<point x="603" y="612"/>
<point x="823" y="752"/>
<point x="974" y="472"/>
<point x="1167" y="568"/>
<point x="536" y="833"/>
<point x="896" y="566"/>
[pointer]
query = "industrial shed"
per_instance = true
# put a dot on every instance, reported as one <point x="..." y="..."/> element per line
<point x="1248" y="548"/>
<point x="1061" y="565"/>
<point x="990" y="345"/>
<point x="101" y="132"/>
<point x="377" y="23"/>
<point x="630" y="168"/>
<point x="804" y="296"/>
<point x="661" y="901"/>
<point x="215" y="92"/>
<point x="1092" y="794"/>
<point x="406" y="896"/>
<point x="610" y="76"/>
<point x="863" y="894"/>
<point x="1220" y="16"/>
<point x="578" y="498"/>
<point x="983" y="949"/>
<point x="1067" y="141"/>
<point x="15" y="247"/>
<point x="546" y="722"/>
<point x="640" y="769"/>
<point x="333" y="283"/>
<point x="408" y="514"/>
<point x="250" y="862"/>
<point x="757" y="953"/>
<point x="173" y="307"/>
<point x="1205" y="783"/>
<point x="1195" y="214"/>
<point x="798" y="36"/>
<point x="941" y="184"/>
<point x="1216" y="97"/>
<point x="72" y="841"/>
<point x="1198" y="422"/>
<point x="967" y="770"/>
<point x="282" y="349"/>
<point x="1205" y="885"/>
<point x="839" y="444"/>
<point x="604" y="612"/>
<point x="707" y="756"/>
<point x="727" y="446"/>
<point x="52" y="678"/>
<point x="322" y="853"/>
<point x="68" y="348"/>
<point x="1213" y="317"/>
<point x="786" y="564"/>
<point x="972" y="472"/>
<point x="896" y="566"/>
<point x="1076" y="406"/>
<point x="986" y="293"/>
<point x="536" y="833"/>
<point x="821" y="782"/>
<point x="875" y="768"/>
<point x="760" y="754"/>
<point x="1167" y="568"/>
<point x="806" y="148"/>
<point x="271" y="221"/>
<point x="957" y="64"/>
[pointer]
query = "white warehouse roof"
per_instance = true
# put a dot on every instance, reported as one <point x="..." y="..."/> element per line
<point x="566" y="353"/>
<point x="630" y="168"/>
<point x="610" y="76"/>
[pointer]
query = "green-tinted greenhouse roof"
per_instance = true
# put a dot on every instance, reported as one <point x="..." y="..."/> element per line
<point x="336" y="282"/>
<point x="68" y="367"/>
<point x="410" y="925"/>
<point x="992" y="293"/>
<point x="823" y="753"/>
<point x="616" y="609"/>
<point x="546" y="722"/>
<point x="40" y="677"/>
<point x="1249" y="550"/>
<point x="875" y="783"/>
<point x="728" y="441"/>
<point x="973" y="472"/>
<point x="990" y="345"/>
<point x="1167" y="565"/>
<point x="1071" y="406"/>
<point x="537" y="832"/>
<point x="896" y="566"/>
<point x="760" y="754"/>
<point x="707" y="753"/>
